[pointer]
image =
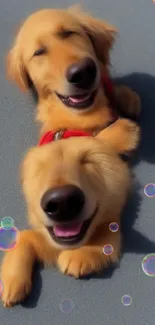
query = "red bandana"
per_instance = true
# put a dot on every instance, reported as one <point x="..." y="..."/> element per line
<point x="64" y="134"/>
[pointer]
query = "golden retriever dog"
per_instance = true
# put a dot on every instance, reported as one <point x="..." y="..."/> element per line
<point x="74" y="188"/>
<point x="65" y="55"/>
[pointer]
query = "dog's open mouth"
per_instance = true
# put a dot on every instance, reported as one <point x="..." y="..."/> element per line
<point x="82" y="101"/>
<point x="72" y="232"/>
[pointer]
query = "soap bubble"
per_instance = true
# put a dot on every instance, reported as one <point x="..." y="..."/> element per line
<point x="108" y="249"/>
<point x="113" y="226"/>
<point x="126" y="300"/>
<point x="149" y="190"/>
<point x="148" y="265"/>
<point x="7" y="223"/>
<point x="8" y="238"/>
<point x="66" y="306"/>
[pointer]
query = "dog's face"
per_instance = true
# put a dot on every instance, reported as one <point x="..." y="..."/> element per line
<point x="70" y="185"/>
<point x="61" y="52"/>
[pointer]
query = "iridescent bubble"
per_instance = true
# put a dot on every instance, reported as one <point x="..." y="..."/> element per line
<point x="108" y="249"/>
<point x="126" y="300"/>
<point x="7" y="223"/>
<point x="8" y="239"/>
<point x="149" y="190"/>
<point x="66" y="306"/>
<point x="1" y="288"/>
<point x="148" y="265"/>
<point x="113" y="226"/>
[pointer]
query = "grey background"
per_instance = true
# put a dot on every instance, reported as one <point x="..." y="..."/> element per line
<point x="97" y="300"/>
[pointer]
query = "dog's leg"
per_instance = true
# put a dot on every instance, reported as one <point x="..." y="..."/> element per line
<point x="17" y="265"/>
<point x="123" y="135"/>
<point x="128" y="102"/>
<point x="89" y="259"/>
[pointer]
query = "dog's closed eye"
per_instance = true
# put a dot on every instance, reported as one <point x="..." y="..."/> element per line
<point x="66" y="33"/>
<point x="86" y="159"/>
<point x="40" y="51"/>
<point x="92" y="158"/>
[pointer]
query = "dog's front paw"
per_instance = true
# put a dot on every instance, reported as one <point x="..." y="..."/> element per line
<point x="128" y="101"/>
<point x="15" y="289"/>
<point x="130" y="133"/>
<point x="80" y="262"/>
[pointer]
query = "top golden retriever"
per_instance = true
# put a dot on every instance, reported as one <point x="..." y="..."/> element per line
<point x="65" y="55"/>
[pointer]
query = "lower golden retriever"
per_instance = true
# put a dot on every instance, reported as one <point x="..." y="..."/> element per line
<point x="65" y="54"/>
<point x="74" y="187"/>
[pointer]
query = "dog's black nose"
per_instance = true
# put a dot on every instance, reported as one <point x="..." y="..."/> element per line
<point x="82" y="74"/>
<point x="63" y="204"/>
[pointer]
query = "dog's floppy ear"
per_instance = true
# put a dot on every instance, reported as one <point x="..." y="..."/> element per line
<point x="29" y="166"/>
<point x="123" y="136"/>
<point x="100" y="32"/>
<point x="16" y="70"/>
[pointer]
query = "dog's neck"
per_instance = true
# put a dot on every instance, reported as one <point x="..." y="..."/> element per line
<point x="63" y="134"/>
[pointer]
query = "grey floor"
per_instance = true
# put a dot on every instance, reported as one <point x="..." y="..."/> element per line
<point x="97" y="300"/>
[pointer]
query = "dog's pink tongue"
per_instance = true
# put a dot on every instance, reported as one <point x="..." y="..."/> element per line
<point x="67" y="231"/>
<point x="79" y="100"/>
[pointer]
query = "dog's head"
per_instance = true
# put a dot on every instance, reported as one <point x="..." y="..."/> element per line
<point x="74" y="185"/>
<point x="61" y="52"/>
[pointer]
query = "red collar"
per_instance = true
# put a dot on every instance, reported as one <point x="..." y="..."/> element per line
<point x="64" y="134"/>
<point x="108" y="86"/>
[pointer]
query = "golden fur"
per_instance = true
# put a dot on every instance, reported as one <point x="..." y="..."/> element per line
<point x="96" y="167"/>
<point x="93" y="38"/>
